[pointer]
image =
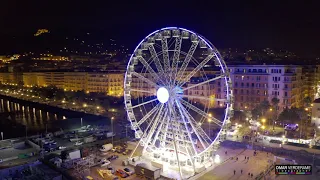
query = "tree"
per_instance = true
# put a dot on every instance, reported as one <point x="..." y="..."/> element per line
<point x="264" y="106"/>
<point x="59" y="94"/>
<point x="289" y="116"/>
<point x="303" y="115"/>
<point x="275" y="101"/>
<point x="256" y="112"/>
<point x="307" y="101"/>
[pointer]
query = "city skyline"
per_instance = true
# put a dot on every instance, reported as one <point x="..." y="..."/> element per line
<point x="287" y="26"/>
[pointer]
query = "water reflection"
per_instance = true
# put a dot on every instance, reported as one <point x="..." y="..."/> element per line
<point x="32" y="117"/>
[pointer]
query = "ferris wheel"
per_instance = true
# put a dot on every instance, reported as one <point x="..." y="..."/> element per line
<point x="178" y="97"/>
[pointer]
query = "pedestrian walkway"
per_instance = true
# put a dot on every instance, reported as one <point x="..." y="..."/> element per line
<point x="231" y="169"/>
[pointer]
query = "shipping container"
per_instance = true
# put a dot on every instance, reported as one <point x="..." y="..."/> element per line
<point x="147" y="171"/>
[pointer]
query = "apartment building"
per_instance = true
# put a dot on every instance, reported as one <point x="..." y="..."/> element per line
<point x="75" y="81"/>
<point x="311" y="78"/>
<point x="13" y="78"/>
<point x="212" y="90"/>
<point x="253" y="84"/>
<point x="110" y="82"/>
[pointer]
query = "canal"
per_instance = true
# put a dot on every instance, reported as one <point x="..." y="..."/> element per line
<point x="18" y="117"/>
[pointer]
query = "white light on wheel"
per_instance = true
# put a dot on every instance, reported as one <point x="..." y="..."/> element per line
<point x="163" y="95"/>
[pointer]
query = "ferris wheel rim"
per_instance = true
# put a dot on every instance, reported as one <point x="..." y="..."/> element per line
<point x="222" y="65"/>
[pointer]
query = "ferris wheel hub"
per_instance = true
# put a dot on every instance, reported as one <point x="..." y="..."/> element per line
<point x="163" y="95"/>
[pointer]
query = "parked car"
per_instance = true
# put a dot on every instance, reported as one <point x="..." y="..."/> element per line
<point x="128" y="171"/>
<point x="105" y="163"/>
<point x="113" y="157"/>
<point x="111" y="169"/>
<point x="79" y="143"/>
<point x="121" y="173"/>
<point x="62" y="147"/>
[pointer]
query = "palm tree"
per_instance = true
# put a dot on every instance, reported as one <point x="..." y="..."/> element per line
<point x="275" y="101"/>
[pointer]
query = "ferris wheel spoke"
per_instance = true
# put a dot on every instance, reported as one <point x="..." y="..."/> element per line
<point x="194" y="126"/>
<point x="187" y="60"/>
<point x="176" y="54"/>
<point x="174" y="135"/>
<point x="156" y="59"/>
<point x="197" y="126"/>
<point x="149" y="68"/>
<point x="141" y="77"/>
<point x="154" y="109"/>
<point x="204" y="82"/>
<point x="165" y="132"/>
<point x="144" y="103"/>
<point x="195" y="70"/>
<point x="203" y="98"/>
<point x="142" y="91"/>
<point x="164" y="44"/>
<point x="142" y="138"/>
<point x="151" y="131"/>
<point x="159" y="129"/>
<point x="202" y="113"/>
<point x="186" y="126"/>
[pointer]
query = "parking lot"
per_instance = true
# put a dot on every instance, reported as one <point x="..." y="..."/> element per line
<point x="115" y="164"/>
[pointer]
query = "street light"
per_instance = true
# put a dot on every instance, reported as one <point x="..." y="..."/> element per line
<point x="98" y="107"/>
<point x="209" y="120"/>
<point x="112" y="128"/>
<point x="263" y="120"/>
<point x="85" y="105"/>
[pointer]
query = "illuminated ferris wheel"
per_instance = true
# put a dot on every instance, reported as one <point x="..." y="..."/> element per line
<point x="174" y="82"/>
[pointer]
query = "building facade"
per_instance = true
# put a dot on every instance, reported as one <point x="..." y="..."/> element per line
<point x="109" y="82"/>
<point x="253" y="84"/>
<point x="315" y="117"/>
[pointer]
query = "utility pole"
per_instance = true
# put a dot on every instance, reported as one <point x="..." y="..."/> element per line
<point x="112" y="128"/>
<point x="81" y="121"/>
<point x="126" y="131"/>
<point x="26" y="132"/>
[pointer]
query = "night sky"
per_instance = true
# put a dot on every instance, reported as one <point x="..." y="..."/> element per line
<point x="258" y="24"/>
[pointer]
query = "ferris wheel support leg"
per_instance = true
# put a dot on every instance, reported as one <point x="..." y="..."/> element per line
<point x="135" y="149"/>
<point x="156" y="121"/>
<point x="192" y="162"/>
<point x="174" y="141"/>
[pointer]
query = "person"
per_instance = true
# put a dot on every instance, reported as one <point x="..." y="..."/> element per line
<point x="237" y="158"/>
<point x="245" y="157"/>
<point x="251" y="175"/>
<point x="226" y="153"/>
<point x="234" y="172"/>
<point x="248" y="158"/>
<point x="241" y="171"/>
